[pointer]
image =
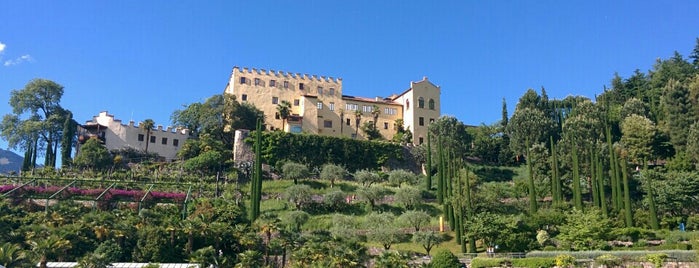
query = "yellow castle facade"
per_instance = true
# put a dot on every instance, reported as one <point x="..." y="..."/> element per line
<point x="319" y="105"/>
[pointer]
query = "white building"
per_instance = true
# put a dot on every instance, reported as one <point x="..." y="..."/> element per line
<point x="115" y="135"/>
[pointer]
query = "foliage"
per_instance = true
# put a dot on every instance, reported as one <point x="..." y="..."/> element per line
<point x="427" y="239"/>
<point x="295" y="171"/>
<point x="366" y="177"/>
<point x="322" y="250"/>
<point x="401" y="176"/>
<point x="315" y="150"/>
<point x="444" y="259"/>
<point x="657" y="259"/>
<point x="533" y="262"/>
<point x="380" y="228"/>
<point x="584" y="230"/>
<point x="371" y="132"/>
<point x="608" y="260"/>
<point x="565" y="260"/>
<point x="392" y="259"/>
<point x="371" y="194"/>
<point x="408" y="197"/>
<point x="414" y="218"/>
<point x="480" y="262"/>
<point x="93" y="155"/>
<point x="638" y="133"/>
<point x="332" y="173"/>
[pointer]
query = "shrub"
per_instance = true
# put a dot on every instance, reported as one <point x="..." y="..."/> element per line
<point x="656" y="259"/>
<point x="295" y="171"/>
<point x="534" y="262"/>
<point x="565" y="260"/>
<point x="479" y="262"/>
<point x="332" y="172"/>
<point x="444" y="259"/>
<point x="366" y="177"/>
<point x="608" y="260"/>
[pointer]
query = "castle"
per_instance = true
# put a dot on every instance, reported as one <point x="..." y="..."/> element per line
<point x="318" y="105"/>
<point x="115" y="135"/>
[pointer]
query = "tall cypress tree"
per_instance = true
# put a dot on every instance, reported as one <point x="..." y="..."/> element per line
<point x="627" y="196"/>
<point x="428" y="169"/>
<point x="555" y="176"/>
<point x="69" y="129"/>
<point x="256" y="183"/>
<point x="577" y="194"/>
<point x="532" y="192"/>
<point x="440" y="171"/>
<point x="651" y="200"/>
<point x="600" y="187"/>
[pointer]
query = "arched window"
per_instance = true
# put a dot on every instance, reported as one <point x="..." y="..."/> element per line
<point x="407" y="104"/>
<point x="431" y="104"/>
<point x="420" y="103"/>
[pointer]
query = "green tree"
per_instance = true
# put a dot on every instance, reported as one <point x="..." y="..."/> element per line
<point x="300" y="195"/>
<point x="93" y="260"/>
<point x="638" y="133"/>
<point x="380" y="229"/>
<point x="400" y="176"/>
<point x="295" y="171"/>
<point x="371" y="194"/>
<point x="415" y="219"/>
<point x="68" y="139"/>
<point x="48" y="247"/>
<point x="408" y="197"/>
<point x="357" y="120"/>
<point x="37" y="119"/>
<point x="93" y="155"/>
<point x="332" y="173"/>
<point x="586" y="230"/>
<point x="427" y="239"/>
<point x="366" y="177"/>
<point x="392" y="259"/>
<point x="679" y="113"/>
<point x="284" y="110"/>
<point x="147" y="126"/>
<point x="12" y="255"/>
<point x="296" y="219"/>
<point x="371" y="132"/>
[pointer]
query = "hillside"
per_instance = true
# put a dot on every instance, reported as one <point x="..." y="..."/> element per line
<point x="9" y="162"/>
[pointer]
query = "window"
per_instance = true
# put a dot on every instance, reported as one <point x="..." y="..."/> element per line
<point x="243" y="80"/>
<point x="431" y="120"/>
<point x="420" y="103"/>
<point x="351" y="107"/>
<point x="385" y="125"/>
<point x="258" y="82"/>
<point x="286" y="84"/>
<point x="277" y="116"/>
<point x="421" y="121"/>
<point x="348" y="121"/>
<point x="420" y="140"/>
<point x="152" y="139"/>
<point x="272" y="83"/>
<point x="275" y="100"/>
<point x="163" y="141"/>
<point x="389" y="111"/>
<point x="141" y="137"/>
<point x="367" y="108"/>
<point x="331" y="106"/>
<point x="297" y="102"/>
<point x="328" y="123"/>
<point x="244" y="97"/>
<point x="300" y="86"/>
<point x="175" y="142"/>
<point x="331" y="91"/>
<point x="320" y="105"/>
<point x="431" y="104"/>
<point x="320" y="90"/>
<point x="407" y="104"/>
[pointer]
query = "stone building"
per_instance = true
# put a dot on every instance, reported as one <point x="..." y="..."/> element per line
<point x="319" y="105"/>
<point x="163" y="141"/>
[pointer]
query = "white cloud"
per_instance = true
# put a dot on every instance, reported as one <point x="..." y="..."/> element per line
<point x="2" y="47"/>
<point x="21" y="59"/>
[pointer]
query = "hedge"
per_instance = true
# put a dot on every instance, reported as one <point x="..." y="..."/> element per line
<point x="315" y="150"/>
<point x="634" y="255"/>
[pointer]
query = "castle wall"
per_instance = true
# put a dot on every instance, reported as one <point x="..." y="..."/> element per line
<point x="166" y="142"/>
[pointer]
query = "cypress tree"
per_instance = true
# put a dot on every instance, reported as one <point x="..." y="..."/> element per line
<point x="627" y="196"/>
<point x="593" y="179"/>
<point x="577" y="195"/>
<point x="532" y="192"/>
<point x="69" y="129"/>
<point x="428" y="169"/>
<point x="651" y="200"/>
<point x="256" y="183"/>
<point x="440" y="171"/>
<point x="600" y="187"/>
<point x="469" y="209"/>
<point x="555" y="176"/>
<point x="27" y="161"/>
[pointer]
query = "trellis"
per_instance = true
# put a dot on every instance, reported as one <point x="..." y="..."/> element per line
<point x="40" y="188"/>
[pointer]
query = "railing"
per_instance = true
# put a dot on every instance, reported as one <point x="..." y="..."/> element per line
<point x="509" y="255"/>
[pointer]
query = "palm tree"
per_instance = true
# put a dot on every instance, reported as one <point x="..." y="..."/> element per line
<point x="11" y="255"/>
<point x="284" y="110"/>
<point x="147" y="126"/>
<point x="375" y="111"/>
<point x="48" y="247"/>
<point x="357" y="120"/>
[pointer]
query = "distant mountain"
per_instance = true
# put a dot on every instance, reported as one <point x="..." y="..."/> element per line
<point x="9" y="162"/>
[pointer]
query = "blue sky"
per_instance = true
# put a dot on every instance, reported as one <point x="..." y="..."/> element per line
<point x="145" y="59"/>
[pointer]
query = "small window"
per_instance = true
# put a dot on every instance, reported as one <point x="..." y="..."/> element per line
<point x="300" y="86"/>
<point x="320" y="105"/>
<point x="141" y="137"/>
<point x="331" y="91"/>
<point x="275" y="100"/>
<point x="286" y="84"/>
<point x="272" y="83"/>
<point x="320" y="90"/>
<point x="421" y="121"/>
<point x="331" y="106"/>
<point x="385" y="125"/>
<point x="328" y="123"/>
<point x="277" y="116"/>
<point x="243" y="80"/>
<point x="258" y="82"/>
<point x="163" y="141"/>
<point x="297" y="102"/>
<point x="420" y="103"/>
<point x="175" y="142"/>
<point x="421" y="140"/>
<point x="407" y="104"/>
<point x="431" y="120"/>
<point x="244" y="97"/>
<point x="152" y="139"/>
<point x="348" y="121"/>
<point x="431" y="104"/>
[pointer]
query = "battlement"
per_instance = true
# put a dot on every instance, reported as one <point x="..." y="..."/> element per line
<point x="106" y="118"/>
<point x="289" y="75"/>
